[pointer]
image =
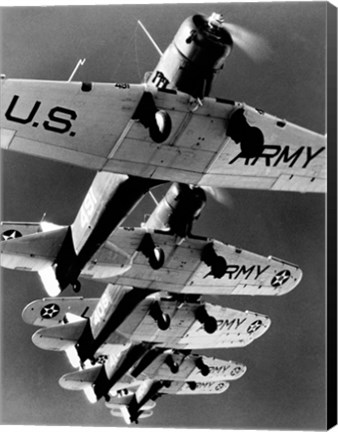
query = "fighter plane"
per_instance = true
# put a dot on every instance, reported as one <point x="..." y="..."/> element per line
<point x="162" y="254"/>
<point x="128" y="398"/>
<point x="101" y="328"/>
<point x="164" y="129"/>
<point x="138" y="360"/>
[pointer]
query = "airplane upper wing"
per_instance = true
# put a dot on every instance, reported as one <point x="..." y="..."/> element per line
<point x="55" y="120"/>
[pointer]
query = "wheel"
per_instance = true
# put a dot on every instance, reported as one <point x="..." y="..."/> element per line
<point x="174" y="368"/>
<point x="252" y="143"/>
<point x="76" y="286"/>
<point x="192" y="385"/>
<point x="164" y="322"/>
<point x="156" y="259"/>
<point x="205" y="370"/>
<point x="160" y="127"/>
<point x="218" y="267"/>
<point x="210" y="325"/>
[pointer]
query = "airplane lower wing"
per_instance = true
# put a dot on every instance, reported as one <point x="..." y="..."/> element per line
<point x="190" y="368"/>
<point x="54" y="120"/>
<point x="198" y="265"/>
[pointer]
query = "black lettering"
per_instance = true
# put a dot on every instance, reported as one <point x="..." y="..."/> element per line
<point x="162" y="81"/>
<point x="245" y="271"/>
<point x="259" y="271"/>
<point x="11" y="117"/>
<point x="269" y="152"/>
<point x="268" y="156"/>
<point x="310" y="156"/>
<point x="122" y="86"/>
<point x="231" y="270"/>
<point x="64" y="122"/>
<point x="240" y="155"/>
<point x="228" y="324"/>
<point x="239" y="322"/>
<point x="287" y="158"/>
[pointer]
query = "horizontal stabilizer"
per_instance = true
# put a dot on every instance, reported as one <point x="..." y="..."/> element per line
<point x="12" y="230"/>
<point x="60" y="337"/>
<point x="32" y="252"/>
<point x="49" y="312"/>
<point x="81" y="379"/>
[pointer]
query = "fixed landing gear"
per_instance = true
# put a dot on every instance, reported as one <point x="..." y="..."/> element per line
<point x="162" y="319"/>
<point x="204" y="369"/>
<point x="160" y="126"/>
<point x="209" y="322"/>
<point x="192" y="385"/>
<point x="173" y="366"/>
<point x="251" y="138"/>
<point x="216" y="262"/>
<point x="76" y="286"/>
<point x="156" y="120"/>
<point x="156" y="258"/>
<point x="154" y="253"/>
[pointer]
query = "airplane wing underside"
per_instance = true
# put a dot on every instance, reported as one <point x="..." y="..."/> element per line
<point x="55" y="120"/>
<point x="234" y="328"/>
<point x="190" y="268"/>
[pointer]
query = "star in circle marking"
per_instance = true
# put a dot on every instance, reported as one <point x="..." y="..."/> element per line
<point x="10" y="235"/>
<point x="280" y="278"/>
<point x="50" y="311"/>
<point x="254" y="326"/>
<point x="236" y="371"/>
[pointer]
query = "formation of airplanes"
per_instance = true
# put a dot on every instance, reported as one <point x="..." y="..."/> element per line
<point x="134" y="343"/>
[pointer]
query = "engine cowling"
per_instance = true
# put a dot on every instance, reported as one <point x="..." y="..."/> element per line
<point x="197" y="52"/>
<point x="179" y="208"/>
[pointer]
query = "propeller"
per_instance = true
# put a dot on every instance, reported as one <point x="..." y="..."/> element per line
<point x="220" y="195"/>
<point x="254" y="46"/>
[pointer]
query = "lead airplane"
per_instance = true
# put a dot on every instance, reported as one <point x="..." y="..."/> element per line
<point x="165" y="129"/>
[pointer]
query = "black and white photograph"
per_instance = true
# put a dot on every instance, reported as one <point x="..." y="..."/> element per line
<point x="163" y="223"/>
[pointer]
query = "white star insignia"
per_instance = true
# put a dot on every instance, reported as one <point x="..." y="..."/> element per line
<point x="50" y="311"/>
<point x="280" y="278"/>
<point x="10" y="234"/>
